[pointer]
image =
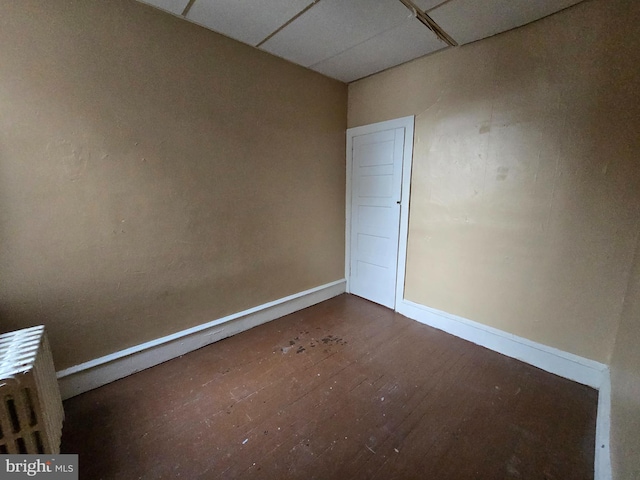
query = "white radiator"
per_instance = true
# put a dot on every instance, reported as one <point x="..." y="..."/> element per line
<point x="31" y="412"/>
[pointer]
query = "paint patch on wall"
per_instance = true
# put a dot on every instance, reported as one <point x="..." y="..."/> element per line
<point x="503" y="173"/>
<point x="485" y="129"/>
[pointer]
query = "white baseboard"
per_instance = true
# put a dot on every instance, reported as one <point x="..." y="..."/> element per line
<point x="100" y="371"/>
<point x="564" y="364"/>
<point x="603" y="430"/>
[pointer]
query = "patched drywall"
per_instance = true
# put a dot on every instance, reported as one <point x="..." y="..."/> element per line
<point x="525" y="195"/>
<point x="155" y="175"/>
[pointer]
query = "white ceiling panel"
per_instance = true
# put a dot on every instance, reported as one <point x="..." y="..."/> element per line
<point x="400" y="44"/>
<point x="351" y="39"/>
<point x="173" y="6"/>
<point x="470" y="20"/>
<point x="332" y="26"/>
<point x="426" y="5"/>
<point x="249" y="21"/>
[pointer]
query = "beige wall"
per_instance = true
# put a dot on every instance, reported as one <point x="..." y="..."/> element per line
<point x="155" y="175"/>
<point x="625" y="383"/>
<point x="526" y="185"/>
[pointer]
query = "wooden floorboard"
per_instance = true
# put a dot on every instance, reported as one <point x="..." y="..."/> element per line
<point x="342" y="390"/>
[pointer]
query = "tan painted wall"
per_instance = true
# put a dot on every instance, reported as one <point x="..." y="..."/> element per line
<point x="155" y="175"/>
<point x="526" y="186"/>
<point x="625" y="383"/>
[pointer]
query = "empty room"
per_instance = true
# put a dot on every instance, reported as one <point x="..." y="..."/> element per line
<point x="330" y="239"/>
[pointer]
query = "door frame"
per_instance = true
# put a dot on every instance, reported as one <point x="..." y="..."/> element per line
<point x="407" y="161"/>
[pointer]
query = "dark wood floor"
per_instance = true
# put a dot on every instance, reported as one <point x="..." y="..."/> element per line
<point x="342" y="390"/>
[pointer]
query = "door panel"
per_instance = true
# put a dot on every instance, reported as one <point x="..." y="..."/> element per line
<point x="376" y="187"/>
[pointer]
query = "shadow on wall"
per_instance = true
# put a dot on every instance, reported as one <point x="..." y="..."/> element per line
<point x="157" y="175"/>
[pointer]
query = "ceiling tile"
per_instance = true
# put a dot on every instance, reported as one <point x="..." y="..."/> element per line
<point x="405" y="42"/>
<point x="425" y="5"/>
<point x="470" y="20"/>
<point x="249" y="21"/>
<point x="333" y="26"/>
<point x="173" y="6"/>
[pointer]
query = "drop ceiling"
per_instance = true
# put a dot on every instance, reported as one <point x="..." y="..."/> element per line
<point x="351" y="39"/>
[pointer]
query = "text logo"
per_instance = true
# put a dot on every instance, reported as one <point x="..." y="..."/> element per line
<point x="51" y="467"/>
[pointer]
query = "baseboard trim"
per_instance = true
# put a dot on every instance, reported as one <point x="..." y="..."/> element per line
<point x="100" y="371"/>
<point x="564" y="364"/>
<point x="603" y="431"/>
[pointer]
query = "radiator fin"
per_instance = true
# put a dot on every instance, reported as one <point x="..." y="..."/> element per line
<point x="31" y="413"/>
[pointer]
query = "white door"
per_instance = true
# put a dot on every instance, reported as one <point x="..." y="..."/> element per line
<point x="376" y="194"/>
